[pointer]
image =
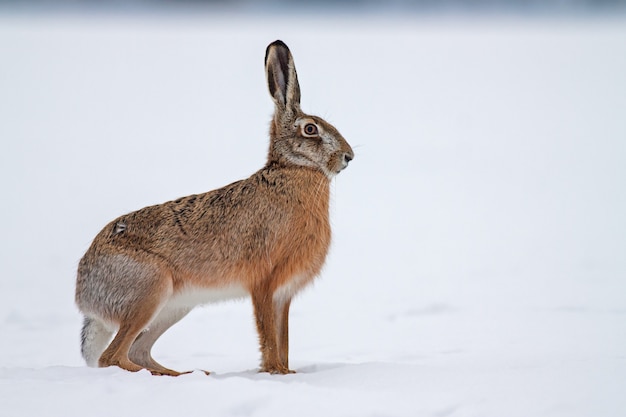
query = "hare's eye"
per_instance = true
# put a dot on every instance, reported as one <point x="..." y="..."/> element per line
<point x="310" y="129"/>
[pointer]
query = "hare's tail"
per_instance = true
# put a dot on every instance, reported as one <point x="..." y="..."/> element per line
<point x="94" y="338"/>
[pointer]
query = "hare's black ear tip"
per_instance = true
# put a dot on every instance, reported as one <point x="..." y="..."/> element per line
<point x="277" y="43"/>
<point x="281" y="48"/>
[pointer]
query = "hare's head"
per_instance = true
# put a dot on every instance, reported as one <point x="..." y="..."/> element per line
<point x="297" y="138"/>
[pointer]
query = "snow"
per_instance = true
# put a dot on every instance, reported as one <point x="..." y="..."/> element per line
<point x="478" y="264"/>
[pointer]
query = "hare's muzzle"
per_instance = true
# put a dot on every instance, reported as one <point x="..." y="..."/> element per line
<point x="347" y="157"/>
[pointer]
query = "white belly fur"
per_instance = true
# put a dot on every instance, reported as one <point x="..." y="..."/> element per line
<point x="290" y="288"/>
<point x="191" y="297"/>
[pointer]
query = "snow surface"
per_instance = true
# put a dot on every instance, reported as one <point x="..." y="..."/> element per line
<point x="479" y="258"/>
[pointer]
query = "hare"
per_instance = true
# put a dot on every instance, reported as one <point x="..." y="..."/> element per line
<point x="266" y="236"/>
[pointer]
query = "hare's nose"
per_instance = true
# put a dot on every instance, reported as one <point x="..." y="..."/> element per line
<point x="347" y="157"/>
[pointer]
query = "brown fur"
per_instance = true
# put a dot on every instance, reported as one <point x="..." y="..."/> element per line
<point x="267" y="235"/>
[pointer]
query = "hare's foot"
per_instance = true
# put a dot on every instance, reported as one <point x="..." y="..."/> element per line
<point x="277" y="370"/>
<point x="112" y="357"/>
<point x="167" y="372"/>
<point x="153" y="366"/>
<point x="125" y="364"/>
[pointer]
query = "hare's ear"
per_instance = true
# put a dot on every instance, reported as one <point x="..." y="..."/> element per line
<point x="282" y="79"/>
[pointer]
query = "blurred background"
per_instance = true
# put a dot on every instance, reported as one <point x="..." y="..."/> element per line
<point x="474" y="7"/>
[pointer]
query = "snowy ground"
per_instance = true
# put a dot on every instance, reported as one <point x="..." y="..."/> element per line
<point x="479" y="257"/>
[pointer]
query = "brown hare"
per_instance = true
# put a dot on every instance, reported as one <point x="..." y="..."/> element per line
<point x="266" y="236"/>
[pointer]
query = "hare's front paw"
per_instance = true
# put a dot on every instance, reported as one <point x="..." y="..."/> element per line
<point x="277" y="370"/>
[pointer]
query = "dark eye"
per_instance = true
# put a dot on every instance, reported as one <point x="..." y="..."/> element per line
<point x="310" y="129"/>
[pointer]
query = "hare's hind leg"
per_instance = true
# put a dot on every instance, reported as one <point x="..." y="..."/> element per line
<point x="137" y="316"/>
<point x="116" y="354"/>
<point x="140" y="349"/>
